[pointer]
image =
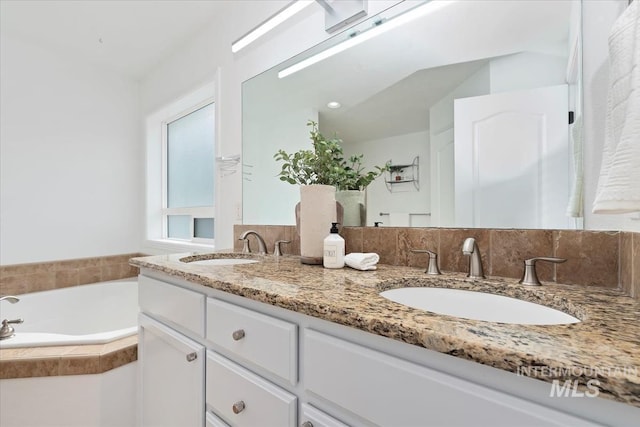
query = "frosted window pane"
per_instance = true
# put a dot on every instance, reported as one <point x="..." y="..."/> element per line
<point x="178" y="226"/>
<point x="203" y="228"/>
<point x="190" y="159"/>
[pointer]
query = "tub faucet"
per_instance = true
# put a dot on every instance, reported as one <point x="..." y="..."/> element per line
<point x="7" y="331"/>
<point x="262" y="247"/>
<point x="471" y="249"/>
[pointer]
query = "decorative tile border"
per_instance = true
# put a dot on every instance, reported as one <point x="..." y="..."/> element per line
<point x="23" y="278"/>
<point x="594" y="258"/>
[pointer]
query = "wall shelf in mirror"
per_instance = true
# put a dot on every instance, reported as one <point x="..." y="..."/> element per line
<point x="399" y="175"/>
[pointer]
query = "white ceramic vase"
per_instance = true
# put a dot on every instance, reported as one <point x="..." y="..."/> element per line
<point x="353" y="203"/>
<point x="314" y="214"/>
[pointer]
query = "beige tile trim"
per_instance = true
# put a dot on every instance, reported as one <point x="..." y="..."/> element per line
<point x="67" y="360"/>
<point x="24" y="278"/>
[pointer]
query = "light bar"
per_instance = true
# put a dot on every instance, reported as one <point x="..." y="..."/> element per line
<point x="374" y="31"/>
<point x="268" y="25"/>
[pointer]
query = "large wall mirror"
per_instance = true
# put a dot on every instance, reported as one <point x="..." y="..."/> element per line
<point x="474" y="95"/>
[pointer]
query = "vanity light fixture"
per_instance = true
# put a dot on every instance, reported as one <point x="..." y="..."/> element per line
<point x="268" y="25"/>
<point x="378" y="28"/>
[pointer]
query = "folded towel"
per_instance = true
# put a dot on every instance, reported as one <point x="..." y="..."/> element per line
<point x="360" y="261"/>
<point x="619" y="183"/>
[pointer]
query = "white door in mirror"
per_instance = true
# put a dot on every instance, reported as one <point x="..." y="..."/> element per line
<point x="478" y="306"/>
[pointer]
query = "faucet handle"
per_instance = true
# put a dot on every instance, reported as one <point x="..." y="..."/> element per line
<point x="246" y="249"/>
<point x="433" y="261"/>
<point x="7" y="331"/>
<point x="529" y="276"/>
<point x="277" y="250"/>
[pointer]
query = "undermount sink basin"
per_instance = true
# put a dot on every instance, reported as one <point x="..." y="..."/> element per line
<point x="478" y="306"/>
<point x="220" y="259"/>
<point x="223" y="261"/>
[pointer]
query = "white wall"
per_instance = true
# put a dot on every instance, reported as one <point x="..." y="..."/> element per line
<point x="70" y="183"/>
<point x="209" y="55"/>
<point x="275" y="201"/>
<point x="379" y="198"/>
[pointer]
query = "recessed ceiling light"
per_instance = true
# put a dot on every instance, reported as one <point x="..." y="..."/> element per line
<point x="334" y="104"/>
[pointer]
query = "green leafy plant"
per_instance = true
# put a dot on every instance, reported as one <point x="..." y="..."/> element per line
<point x="325" y="164"/>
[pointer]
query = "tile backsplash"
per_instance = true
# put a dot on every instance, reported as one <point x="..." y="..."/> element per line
<point x="23" y="278"/>
<point x="594" y="258"/>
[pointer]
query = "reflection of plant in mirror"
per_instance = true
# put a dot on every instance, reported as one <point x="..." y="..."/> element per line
<point x="325" y="164"/>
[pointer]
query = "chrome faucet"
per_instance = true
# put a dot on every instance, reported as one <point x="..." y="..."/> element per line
<point x="10" y="298"/>
<point x="470" y="248"/>
<point x="246" y="249"/>
<point x="7" y="331"/>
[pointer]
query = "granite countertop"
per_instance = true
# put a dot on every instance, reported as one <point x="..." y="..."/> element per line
<point x="605" y="345"/>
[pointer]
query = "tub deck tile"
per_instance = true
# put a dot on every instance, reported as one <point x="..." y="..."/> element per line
<point x="67" y="360"/>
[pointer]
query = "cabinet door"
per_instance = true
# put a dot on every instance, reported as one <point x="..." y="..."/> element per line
<point x="171" y="377"/>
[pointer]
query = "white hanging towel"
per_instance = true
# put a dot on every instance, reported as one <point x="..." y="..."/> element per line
<point x="574" y="209"/>
<point x="399" y="219"/>
<point x="619" y="183"/>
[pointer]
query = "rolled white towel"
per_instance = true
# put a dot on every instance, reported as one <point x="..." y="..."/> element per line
<point x="362" y="261"/>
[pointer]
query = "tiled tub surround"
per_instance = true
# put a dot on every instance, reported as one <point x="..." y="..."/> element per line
<point x="65" y="360"/>
<point x="607" y="338"/>
<point x="600" y="258"/>
<point x="43" y="276"/>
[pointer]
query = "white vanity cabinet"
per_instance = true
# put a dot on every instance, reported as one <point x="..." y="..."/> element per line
<point x="172" y="360"/>
<point x="254" y="364"/>
<point x="171" y="376"/>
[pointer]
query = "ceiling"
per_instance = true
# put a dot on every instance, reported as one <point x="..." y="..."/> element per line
<point x="387" y="85"/>
<point x="129" y="37"/>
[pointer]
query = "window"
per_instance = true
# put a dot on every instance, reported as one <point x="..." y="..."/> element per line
<point x="188" y="176"/>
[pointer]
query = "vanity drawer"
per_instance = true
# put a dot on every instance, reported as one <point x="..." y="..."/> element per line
<point x="211" y="420"/>
<point x="389" y="391"/>
<point x="242" y="398"/>
<point x="172" y="304"/>
<point x="264" y="340"/>
<point x="317" y="418"/>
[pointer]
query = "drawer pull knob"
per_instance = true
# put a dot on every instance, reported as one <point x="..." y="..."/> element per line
<point x="238" y="407"/>
<point x="306" y="424"/>
<point x="192" y="356"/>
<point x="238" y="335"/>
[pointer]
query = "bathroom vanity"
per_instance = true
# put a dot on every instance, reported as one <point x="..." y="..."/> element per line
<point x="278" y="343"/>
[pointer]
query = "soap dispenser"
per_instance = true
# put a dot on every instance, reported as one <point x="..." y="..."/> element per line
<point x="333" y="255"/>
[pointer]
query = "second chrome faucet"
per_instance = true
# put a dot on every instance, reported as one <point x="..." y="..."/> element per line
<point x="470" y="248"/>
